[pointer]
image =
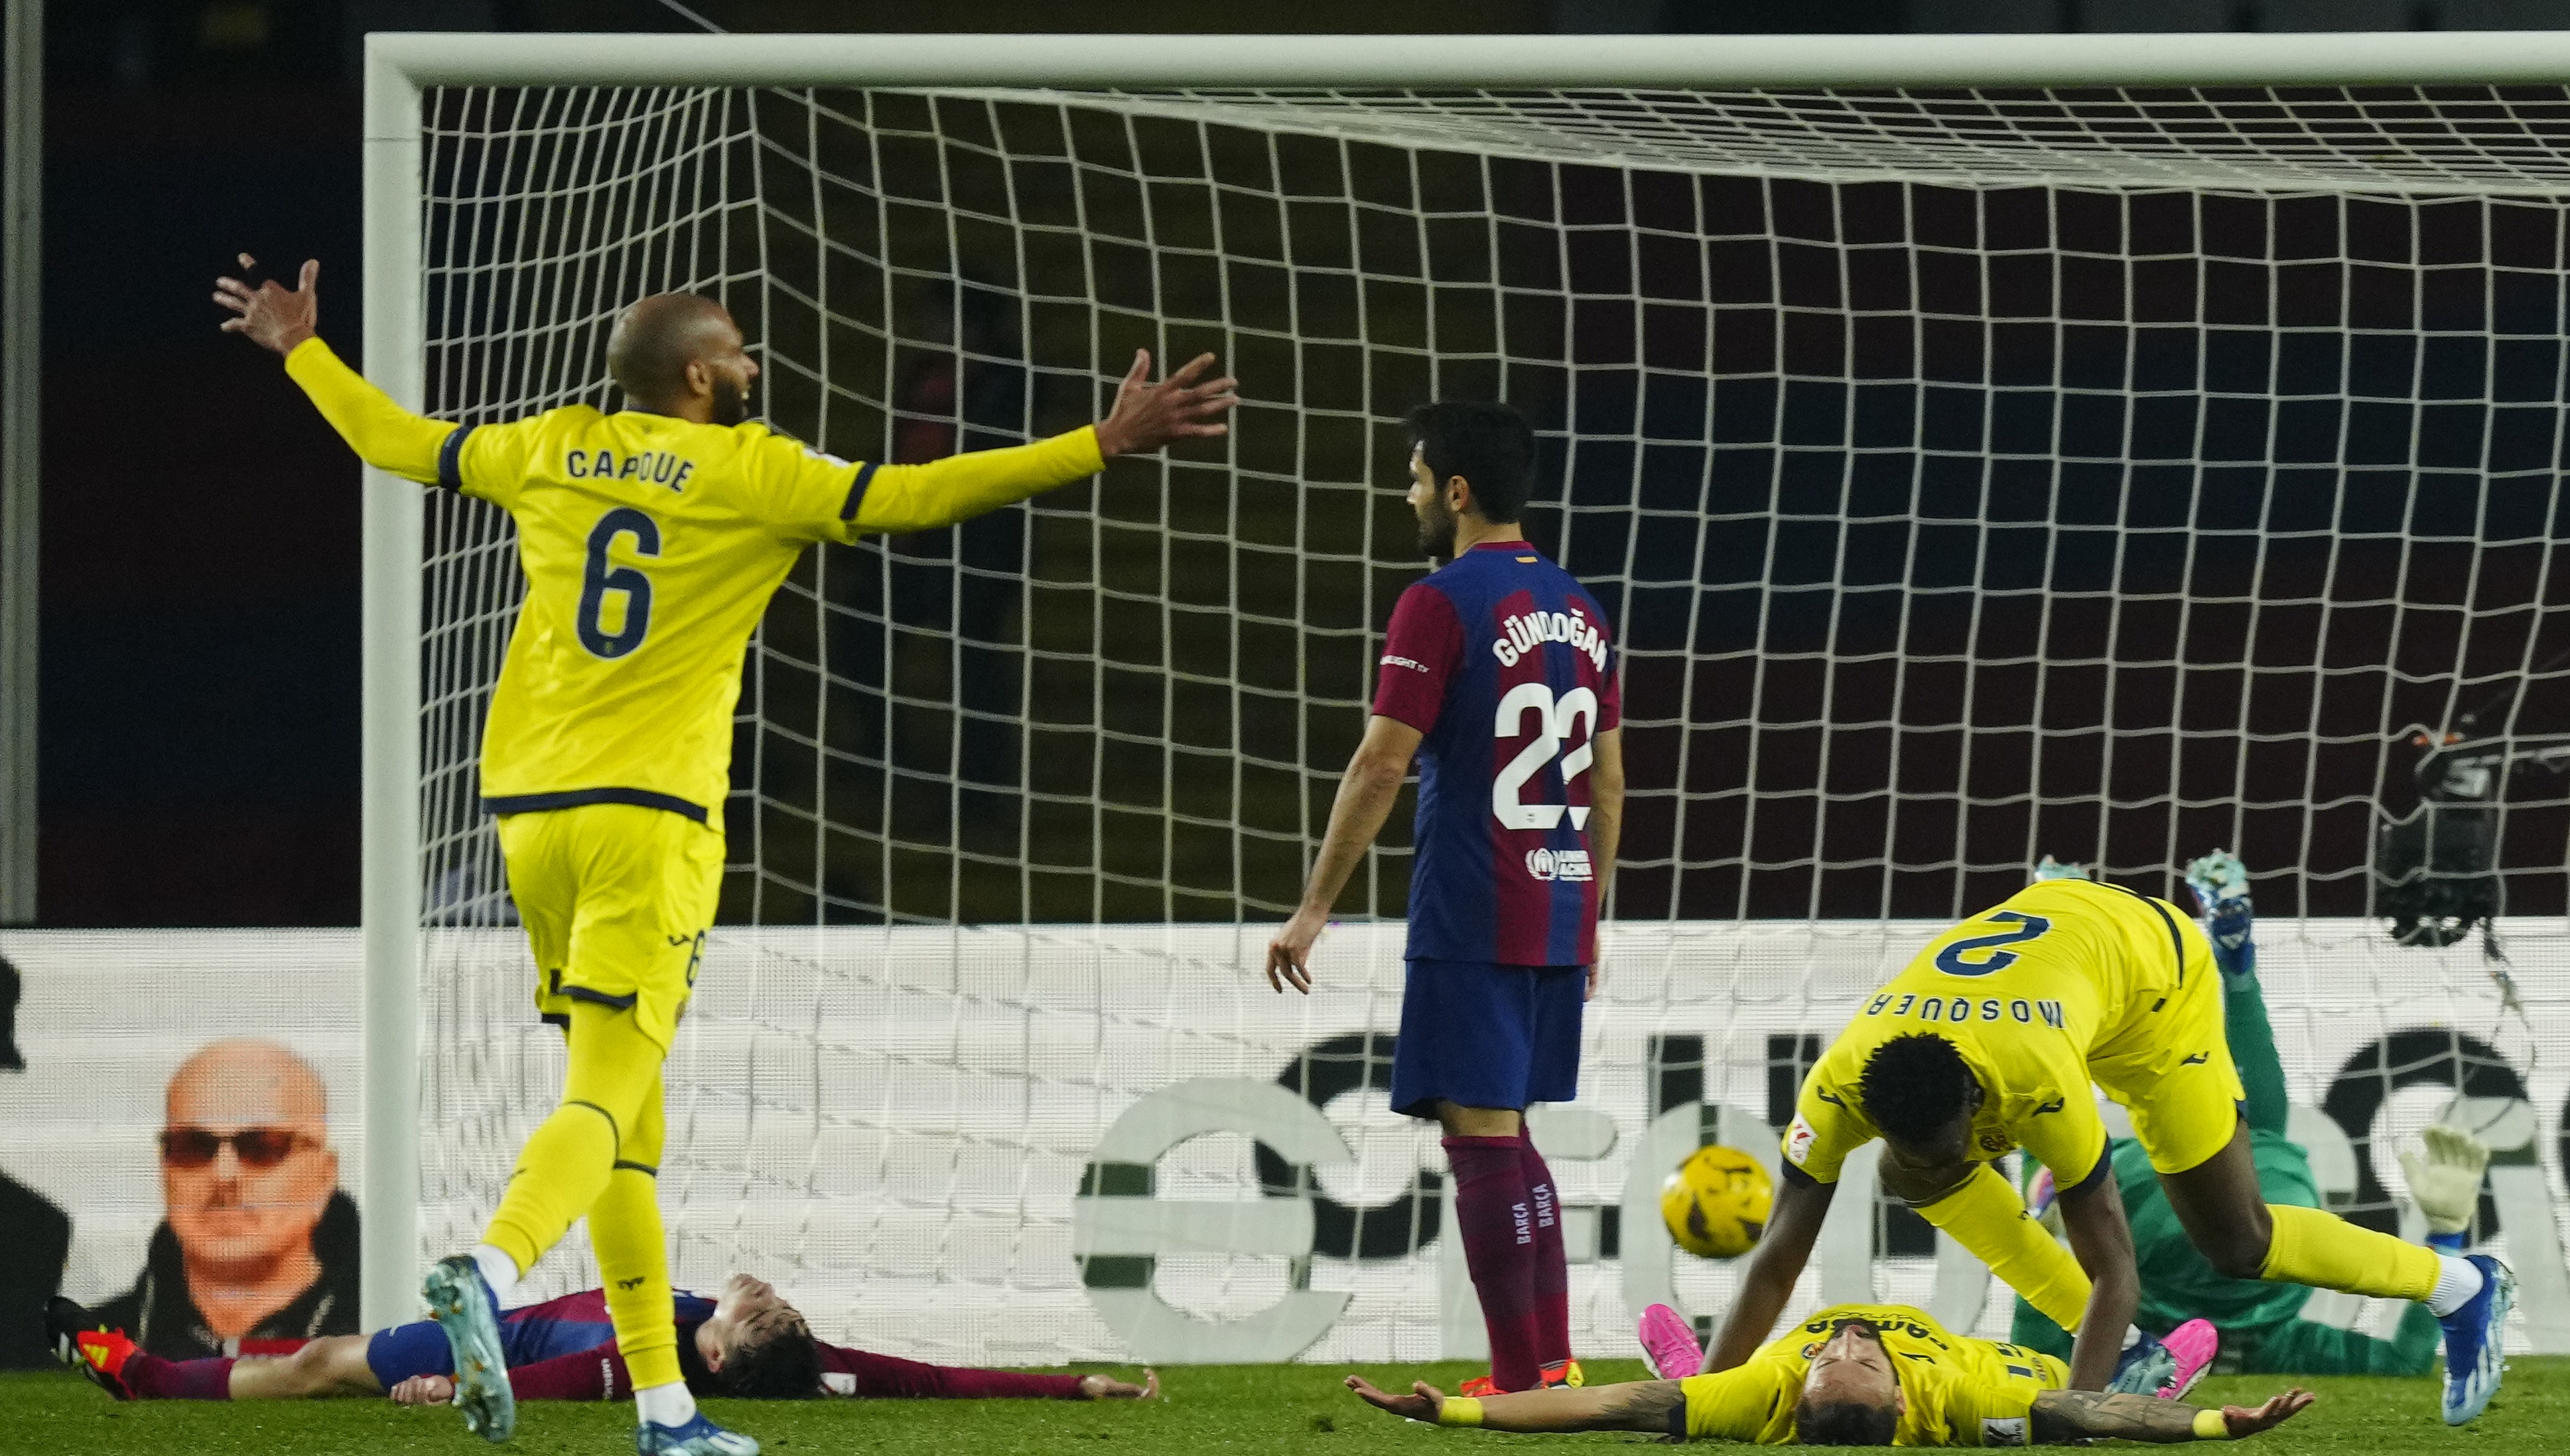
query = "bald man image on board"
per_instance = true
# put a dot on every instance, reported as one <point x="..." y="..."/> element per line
<point x="258" y="1242"/>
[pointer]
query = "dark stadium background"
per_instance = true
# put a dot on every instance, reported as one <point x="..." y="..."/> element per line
<point x="201" y="593"/>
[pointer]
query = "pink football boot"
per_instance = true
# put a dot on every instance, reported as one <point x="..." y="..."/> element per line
<point x="1668" y="1342"/>
<point x="2193" y="1346"/>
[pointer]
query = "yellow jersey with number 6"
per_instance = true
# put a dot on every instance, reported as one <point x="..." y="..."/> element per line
<point x="650" y="546"/>
<point x="1960" y="1391"/>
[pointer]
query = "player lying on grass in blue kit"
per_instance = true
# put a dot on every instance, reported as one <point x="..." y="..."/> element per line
<point x="1855" y="1376"/>
<point x="749" y="1344"/>
<point x="2262" y="1321"/>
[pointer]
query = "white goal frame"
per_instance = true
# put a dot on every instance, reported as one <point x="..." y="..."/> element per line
<point x="400" y="66"/>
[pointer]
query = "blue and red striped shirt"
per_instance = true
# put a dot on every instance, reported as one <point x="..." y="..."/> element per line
<point x="1507" y="665"/>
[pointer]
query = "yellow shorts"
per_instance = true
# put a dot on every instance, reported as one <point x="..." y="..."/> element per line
<point x="615" y="901"/>
<point x="2169" y="1062"/>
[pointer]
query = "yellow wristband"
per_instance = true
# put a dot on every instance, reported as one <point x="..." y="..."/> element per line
<point x="2211" y="1426"/>
<point x="1460" y="1410"/>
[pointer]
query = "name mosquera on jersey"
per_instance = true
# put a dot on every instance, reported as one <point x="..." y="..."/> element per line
<point x="2028" y="991"/>
<point x="1959" y="1009"/>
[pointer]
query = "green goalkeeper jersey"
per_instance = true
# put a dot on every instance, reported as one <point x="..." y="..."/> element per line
<point x="2261" y="1323"/>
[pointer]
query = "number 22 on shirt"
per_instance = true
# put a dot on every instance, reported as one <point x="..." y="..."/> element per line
<point x="1557" y="721"/>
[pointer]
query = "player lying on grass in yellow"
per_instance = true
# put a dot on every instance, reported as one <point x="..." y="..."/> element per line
<point x="651" y="539"/>
<point x="1854" y="1375"/>
<point x="1989" y="1041"/>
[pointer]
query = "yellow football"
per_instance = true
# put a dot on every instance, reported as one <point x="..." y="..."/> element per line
<point x="1716" y="1203"/>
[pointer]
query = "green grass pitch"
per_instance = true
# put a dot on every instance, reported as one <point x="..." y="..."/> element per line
<point x="1211" y="1410"/>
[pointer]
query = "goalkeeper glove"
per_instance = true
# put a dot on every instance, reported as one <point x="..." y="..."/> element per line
<point x="2445" y="1178"/>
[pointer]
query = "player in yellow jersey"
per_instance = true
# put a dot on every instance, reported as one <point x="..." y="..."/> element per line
<point x="651" y="540"/>
<point x="1854" y="1375"/>
<point x="1989" y="1041"/>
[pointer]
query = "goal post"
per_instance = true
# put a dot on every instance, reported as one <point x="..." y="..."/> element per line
<point x="1778" y="108"/>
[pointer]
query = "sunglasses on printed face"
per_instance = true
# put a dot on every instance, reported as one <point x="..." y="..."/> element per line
<point x="256" y="1147"/>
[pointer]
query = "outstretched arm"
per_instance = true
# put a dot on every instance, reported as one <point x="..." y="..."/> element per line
<point x="281" y="320"/>
<point x="2093" y="1218"/>
<point x="865" y="1375"/>
<point x="2081" y="1415"/>
<point x="1366" y="792"/>
<point x="1801" y="1202"/>
<point x="1146" y="416"/>
<point x="1637" y="1405"/>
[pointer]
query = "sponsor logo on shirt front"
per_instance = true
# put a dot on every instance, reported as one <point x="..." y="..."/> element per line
<point x="1799" y="1139"/>
<point x="1550" y="865"/>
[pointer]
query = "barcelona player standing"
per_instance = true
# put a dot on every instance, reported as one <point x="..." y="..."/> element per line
<point x="1499" y="676"/>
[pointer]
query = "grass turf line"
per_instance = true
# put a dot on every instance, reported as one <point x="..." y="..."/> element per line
<point x="1210" y="1411"/>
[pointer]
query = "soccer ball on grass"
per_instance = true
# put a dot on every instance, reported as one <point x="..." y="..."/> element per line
<point x="1716" y="1203"/>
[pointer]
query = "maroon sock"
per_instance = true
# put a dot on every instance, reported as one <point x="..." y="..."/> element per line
<point x="1551" y="1265"/>
<point x="150" y="1378"/>
<point x="1494" y="1215"/>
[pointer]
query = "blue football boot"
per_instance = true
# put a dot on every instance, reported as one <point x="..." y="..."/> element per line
<point x="2475" y="1340"/>
<point x="698" y="1437"/>
<point x="2145" y="1365"/>
<point x="2220" y="886"/>
<point x="462" y="1304"/>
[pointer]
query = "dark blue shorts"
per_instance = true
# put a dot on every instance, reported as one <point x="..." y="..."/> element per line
<point x="405" y="1351"/>
<point x="1480" y="1035"/>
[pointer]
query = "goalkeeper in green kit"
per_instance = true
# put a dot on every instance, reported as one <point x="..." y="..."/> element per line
<point x="2261" y="1323"/>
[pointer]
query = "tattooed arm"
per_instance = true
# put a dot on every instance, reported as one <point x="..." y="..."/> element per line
<point x="1634" y="1405"/>
<point x="2076" y="1415"/>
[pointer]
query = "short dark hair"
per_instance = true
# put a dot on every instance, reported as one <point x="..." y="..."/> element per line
<point x="1914" y="1086"/>
<point x="1845" y="1423"/>
<point x="783" y="1365"/>
<point x="1490" y="445"/>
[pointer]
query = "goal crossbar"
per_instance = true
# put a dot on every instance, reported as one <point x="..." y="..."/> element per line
<point x="401" y="66"/>
<point x="1704" y="62"/>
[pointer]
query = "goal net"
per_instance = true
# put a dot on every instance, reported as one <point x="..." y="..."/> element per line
<point x="1973" y="476"/>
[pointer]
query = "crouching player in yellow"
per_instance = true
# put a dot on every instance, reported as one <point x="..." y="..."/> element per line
<point x="1855" y="1376"/>
<point x="651" y="540"/>
<point x="1989" y="1041"/>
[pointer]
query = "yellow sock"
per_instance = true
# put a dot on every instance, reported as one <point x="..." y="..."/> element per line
<point x="2328" y="1252"/>
<point x="634" y="1257"/>
<point x="613" y="1070"/>
<point x="634" y="1260"/>
<point x="1986" y="1217"/>
<point x="560" y="1173"/>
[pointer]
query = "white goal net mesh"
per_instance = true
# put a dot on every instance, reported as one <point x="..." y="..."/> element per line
<point x="1973" y="477"/>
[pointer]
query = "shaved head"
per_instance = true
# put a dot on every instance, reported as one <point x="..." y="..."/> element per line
<point x="656" y="341"/>
<point x="248" y="1196"/>
<point x="244" y="1082"/>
